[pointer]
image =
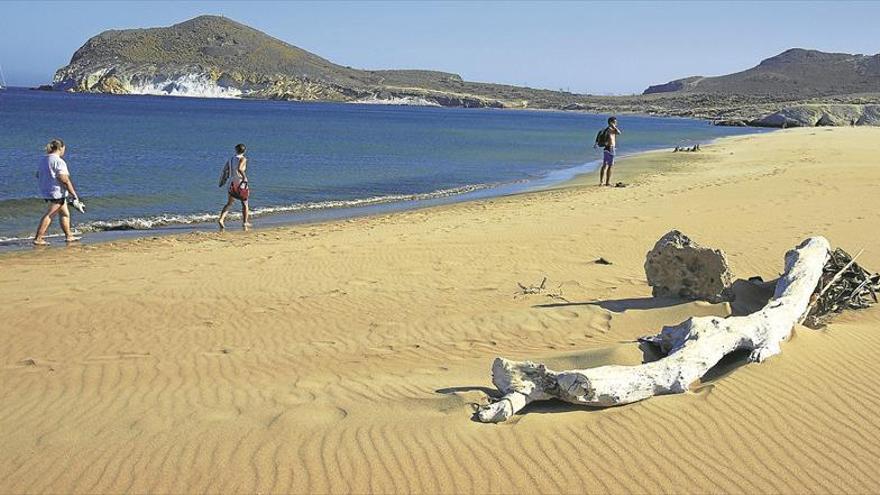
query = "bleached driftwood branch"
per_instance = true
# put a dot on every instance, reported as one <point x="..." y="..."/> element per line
<point x="691" y="347"/>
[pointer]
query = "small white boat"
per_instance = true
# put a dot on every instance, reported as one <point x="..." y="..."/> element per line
<point x="2" y="79"/>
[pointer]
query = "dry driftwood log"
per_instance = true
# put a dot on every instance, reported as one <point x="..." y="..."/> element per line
<point x="691" y="348"/>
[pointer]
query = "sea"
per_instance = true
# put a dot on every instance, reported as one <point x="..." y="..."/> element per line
<point x="147" y="165"/>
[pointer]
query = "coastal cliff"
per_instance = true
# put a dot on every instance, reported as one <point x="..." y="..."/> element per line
<point x="212" y="56"/>
<point x="215" y="57"/>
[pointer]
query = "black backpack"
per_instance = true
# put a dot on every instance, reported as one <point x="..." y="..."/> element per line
<point x="602" y="138"/>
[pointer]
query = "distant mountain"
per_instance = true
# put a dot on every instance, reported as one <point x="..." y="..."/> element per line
<point x="216" y="57"/>
<point x="213" y="56"/>
<point x="793" y="74"/>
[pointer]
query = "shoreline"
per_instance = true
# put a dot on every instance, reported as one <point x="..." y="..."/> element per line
<point x="304" y="216"/>
<point x="346" y="356"/>
<point x="539" y="164"/>
<point x="311" y="215"/>
<point x="710" y="120"/>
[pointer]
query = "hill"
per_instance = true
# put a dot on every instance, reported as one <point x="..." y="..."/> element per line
<point x="212" y="56"/>
<point x="218" y="57"/>
<point x="793" y="74"/>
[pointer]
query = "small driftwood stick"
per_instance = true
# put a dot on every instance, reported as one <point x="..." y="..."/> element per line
<point x="839" y="273"/>
<point x="692" y="347"/>
<point x="845" y="285"/>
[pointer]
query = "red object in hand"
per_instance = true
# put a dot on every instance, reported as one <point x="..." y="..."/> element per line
<point x="239" y="191"/>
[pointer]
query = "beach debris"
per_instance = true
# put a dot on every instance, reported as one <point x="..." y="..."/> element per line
<point x="844" y="285"/>
<point x="540" y="289"/>
<point x="682" y="149"/>
<point x="690" y="349"/>
<point x="679" y="267"/>
<point x="602" y="261"/>
<point x="620" y="184"/>
<point x="532" y="289"/>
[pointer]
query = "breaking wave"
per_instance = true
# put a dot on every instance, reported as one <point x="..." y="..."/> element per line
<point x="167" y="220"/>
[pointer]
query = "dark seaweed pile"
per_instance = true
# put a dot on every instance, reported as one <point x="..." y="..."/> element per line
<point x="844" y="285"/>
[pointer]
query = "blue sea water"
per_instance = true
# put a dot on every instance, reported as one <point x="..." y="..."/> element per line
<point x="144" y="163"/>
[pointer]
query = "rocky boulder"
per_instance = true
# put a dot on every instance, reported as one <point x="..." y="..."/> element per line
<point x="870" y="115"/>
<point x="679" y="267"/>
<point x="732" y="123"/>
<point x="810" y="115"/>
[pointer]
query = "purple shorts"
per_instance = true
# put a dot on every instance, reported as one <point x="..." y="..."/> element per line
<point x="608" y="158"/>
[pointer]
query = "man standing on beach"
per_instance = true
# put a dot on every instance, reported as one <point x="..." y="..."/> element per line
<point x="607" y="139"/>
<point x="235" y="170"/>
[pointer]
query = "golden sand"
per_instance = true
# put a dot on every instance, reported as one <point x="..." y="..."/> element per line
<point x="345" y="356"/>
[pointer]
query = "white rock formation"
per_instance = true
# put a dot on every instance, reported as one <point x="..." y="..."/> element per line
<point x="692" y="348"/>
<point x="193" y="85"/>
<point x="402" y="101"/>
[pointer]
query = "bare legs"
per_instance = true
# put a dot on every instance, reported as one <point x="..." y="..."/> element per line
<point x="607" y="163"/>
<point x="605" y="173"/>
<point x="245" y="213"/>
<point x="63" y="221"/>
<point x="222" y="220"/>
<point x="44" y="224"/>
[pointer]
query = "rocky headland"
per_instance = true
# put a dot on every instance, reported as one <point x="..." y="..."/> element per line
<point x="211" y="56"/>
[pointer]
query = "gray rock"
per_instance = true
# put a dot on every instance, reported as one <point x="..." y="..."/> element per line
<point x="870" y="115"/>
<point x="679" y="267"/>
<point x="810" y="115"/>
<point x="732" y="123"/>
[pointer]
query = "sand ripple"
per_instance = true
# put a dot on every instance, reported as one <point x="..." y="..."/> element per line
<point x="346" y="357"/>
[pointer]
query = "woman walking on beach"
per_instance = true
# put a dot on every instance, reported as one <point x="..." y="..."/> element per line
<point x="235" y="170"/>
<point x="55" y="185"/>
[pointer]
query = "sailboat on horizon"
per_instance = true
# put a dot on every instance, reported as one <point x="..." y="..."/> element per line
<point x="2" y="79"/>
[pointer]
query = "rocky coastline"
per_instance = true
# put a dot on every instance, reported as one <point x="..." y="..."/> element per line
<point x="215" y="57"/>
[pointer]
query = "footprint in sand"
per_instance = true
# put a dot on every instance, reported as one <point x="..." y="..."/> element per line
<point x="563" y="315"/>
<point x="294" y="418"/>
<point x="227" y="350"/>
<point x="297" y="398"/>
<point x="122" y="355"/>
<point x="379" y="351"/>
<point x="32" y="364"/>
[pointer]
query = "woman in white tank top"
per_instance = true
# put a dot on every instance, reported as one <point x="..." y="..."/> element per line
<point x="233" y="164"/>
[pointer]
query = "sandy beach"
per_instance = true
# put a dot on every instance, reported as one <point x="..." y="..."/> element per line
<point x="346" y="357"/>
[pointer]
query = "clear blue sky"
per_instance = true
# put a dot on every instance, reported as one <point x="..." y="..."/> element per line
<point x="607" y="47"/>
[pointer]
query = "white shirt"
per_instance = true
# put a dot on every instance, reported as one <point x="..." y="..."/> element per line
<point x="51" y="166"/>
<point x="234" y="176"/>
